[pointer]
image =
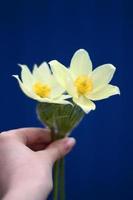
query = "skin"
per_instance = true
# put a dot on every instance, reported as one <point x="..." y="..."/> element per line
<point x="27" y="157"/>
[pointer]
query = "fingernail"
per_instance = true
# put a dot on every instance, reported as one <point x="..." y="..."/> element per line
<point x="70" y="143"/>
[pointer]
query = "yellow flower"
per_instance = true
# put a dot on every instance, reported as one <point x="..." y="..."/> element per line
<point x="41" y="85"/>
<point x="83" y="83"/>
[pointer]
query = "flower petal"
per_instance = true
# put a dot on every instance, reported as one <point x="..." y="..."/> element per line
<point x="104" y="92"/>
<point x="44" y="69"/>
<point x="57" y="90"/>
<point x="62" y="102"/>
<point x="59" y="100"/>
<point x="65" y="96"/>
<point x="34" y="69"/>
<point x="80" y="63"/>
<point x="26" y="75"/>
<point x="42" y="73"/>
<point x="102" y="75"/>
<point x="25" y="89"/>
<point x="70" y="88"/>
<point x="85" y="104"/>
<point x="59" y="72"/>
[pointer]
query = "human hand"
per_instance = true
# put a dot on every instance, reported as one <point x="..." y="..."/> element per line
<point x="26" y="160"/>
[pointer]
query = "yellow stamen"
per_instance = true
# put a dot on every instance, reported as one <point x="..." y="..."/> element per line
<point x="83" y="84"/>
<point x="42" y="90"/>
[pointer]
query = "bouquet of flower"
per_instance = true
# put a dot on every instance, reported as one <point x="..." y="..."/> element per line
<point x="64" y="96"/>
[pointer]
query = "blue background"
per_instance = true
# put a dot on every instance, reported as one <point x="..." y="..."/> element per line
<point x="100" y="166"/>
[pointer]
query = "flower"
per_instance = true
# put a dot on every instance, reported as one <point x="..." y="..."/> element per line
<point x="82" y="83"/>
<point x="41" y="84"/>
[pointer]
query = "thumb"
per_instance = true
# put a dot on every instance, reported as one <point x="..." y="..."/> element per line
<point x="59" y="148"/>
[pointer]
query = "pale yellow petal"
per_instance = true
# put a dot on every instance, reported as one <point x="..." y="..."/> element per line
<point x="26" y="75"/>
<point x="44" y="69"/>
<point x="56" y="100"/>
<point x="80" y="63"/>
<point x="65" y="96"/>
<point x="64" y="102"/>
<point x="56" y="89"/>
<point x="85" y="104"/>
<point x="70" y="87"/>
<point x="42" y="73"/>
<point x="34" y="69"/>
<point x="104" y="92"/>
<point x="61" y="101"/>
<point x="102" y="75"/>
<point x="59" y="72"/>
<point x="25" y="89"/>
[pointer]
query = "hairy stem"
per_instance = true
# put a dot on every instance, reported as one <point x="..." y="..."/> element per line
<point x="62" y="179"/>
<point x="56" y="180"/>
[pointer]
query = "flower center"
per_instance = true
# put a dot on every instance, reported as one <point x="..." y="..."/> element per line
<point x="42" y="90"/>
<point x="83" y="84"/>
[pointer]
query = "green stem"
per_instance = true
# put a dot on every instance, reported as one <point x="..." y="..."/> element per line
<point x="59" y="168"/>
<point x="56" y="180"/>
<point x="62" y="179"/>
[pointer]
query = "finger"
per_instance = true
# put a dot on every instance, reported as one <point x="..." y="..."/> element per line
<point x="58" y="149"/>
<point x="31" y="136"/>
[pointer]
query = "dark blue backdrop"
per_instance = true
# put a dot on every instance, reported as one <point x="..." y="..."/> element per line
<point x="100" y="166"/>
